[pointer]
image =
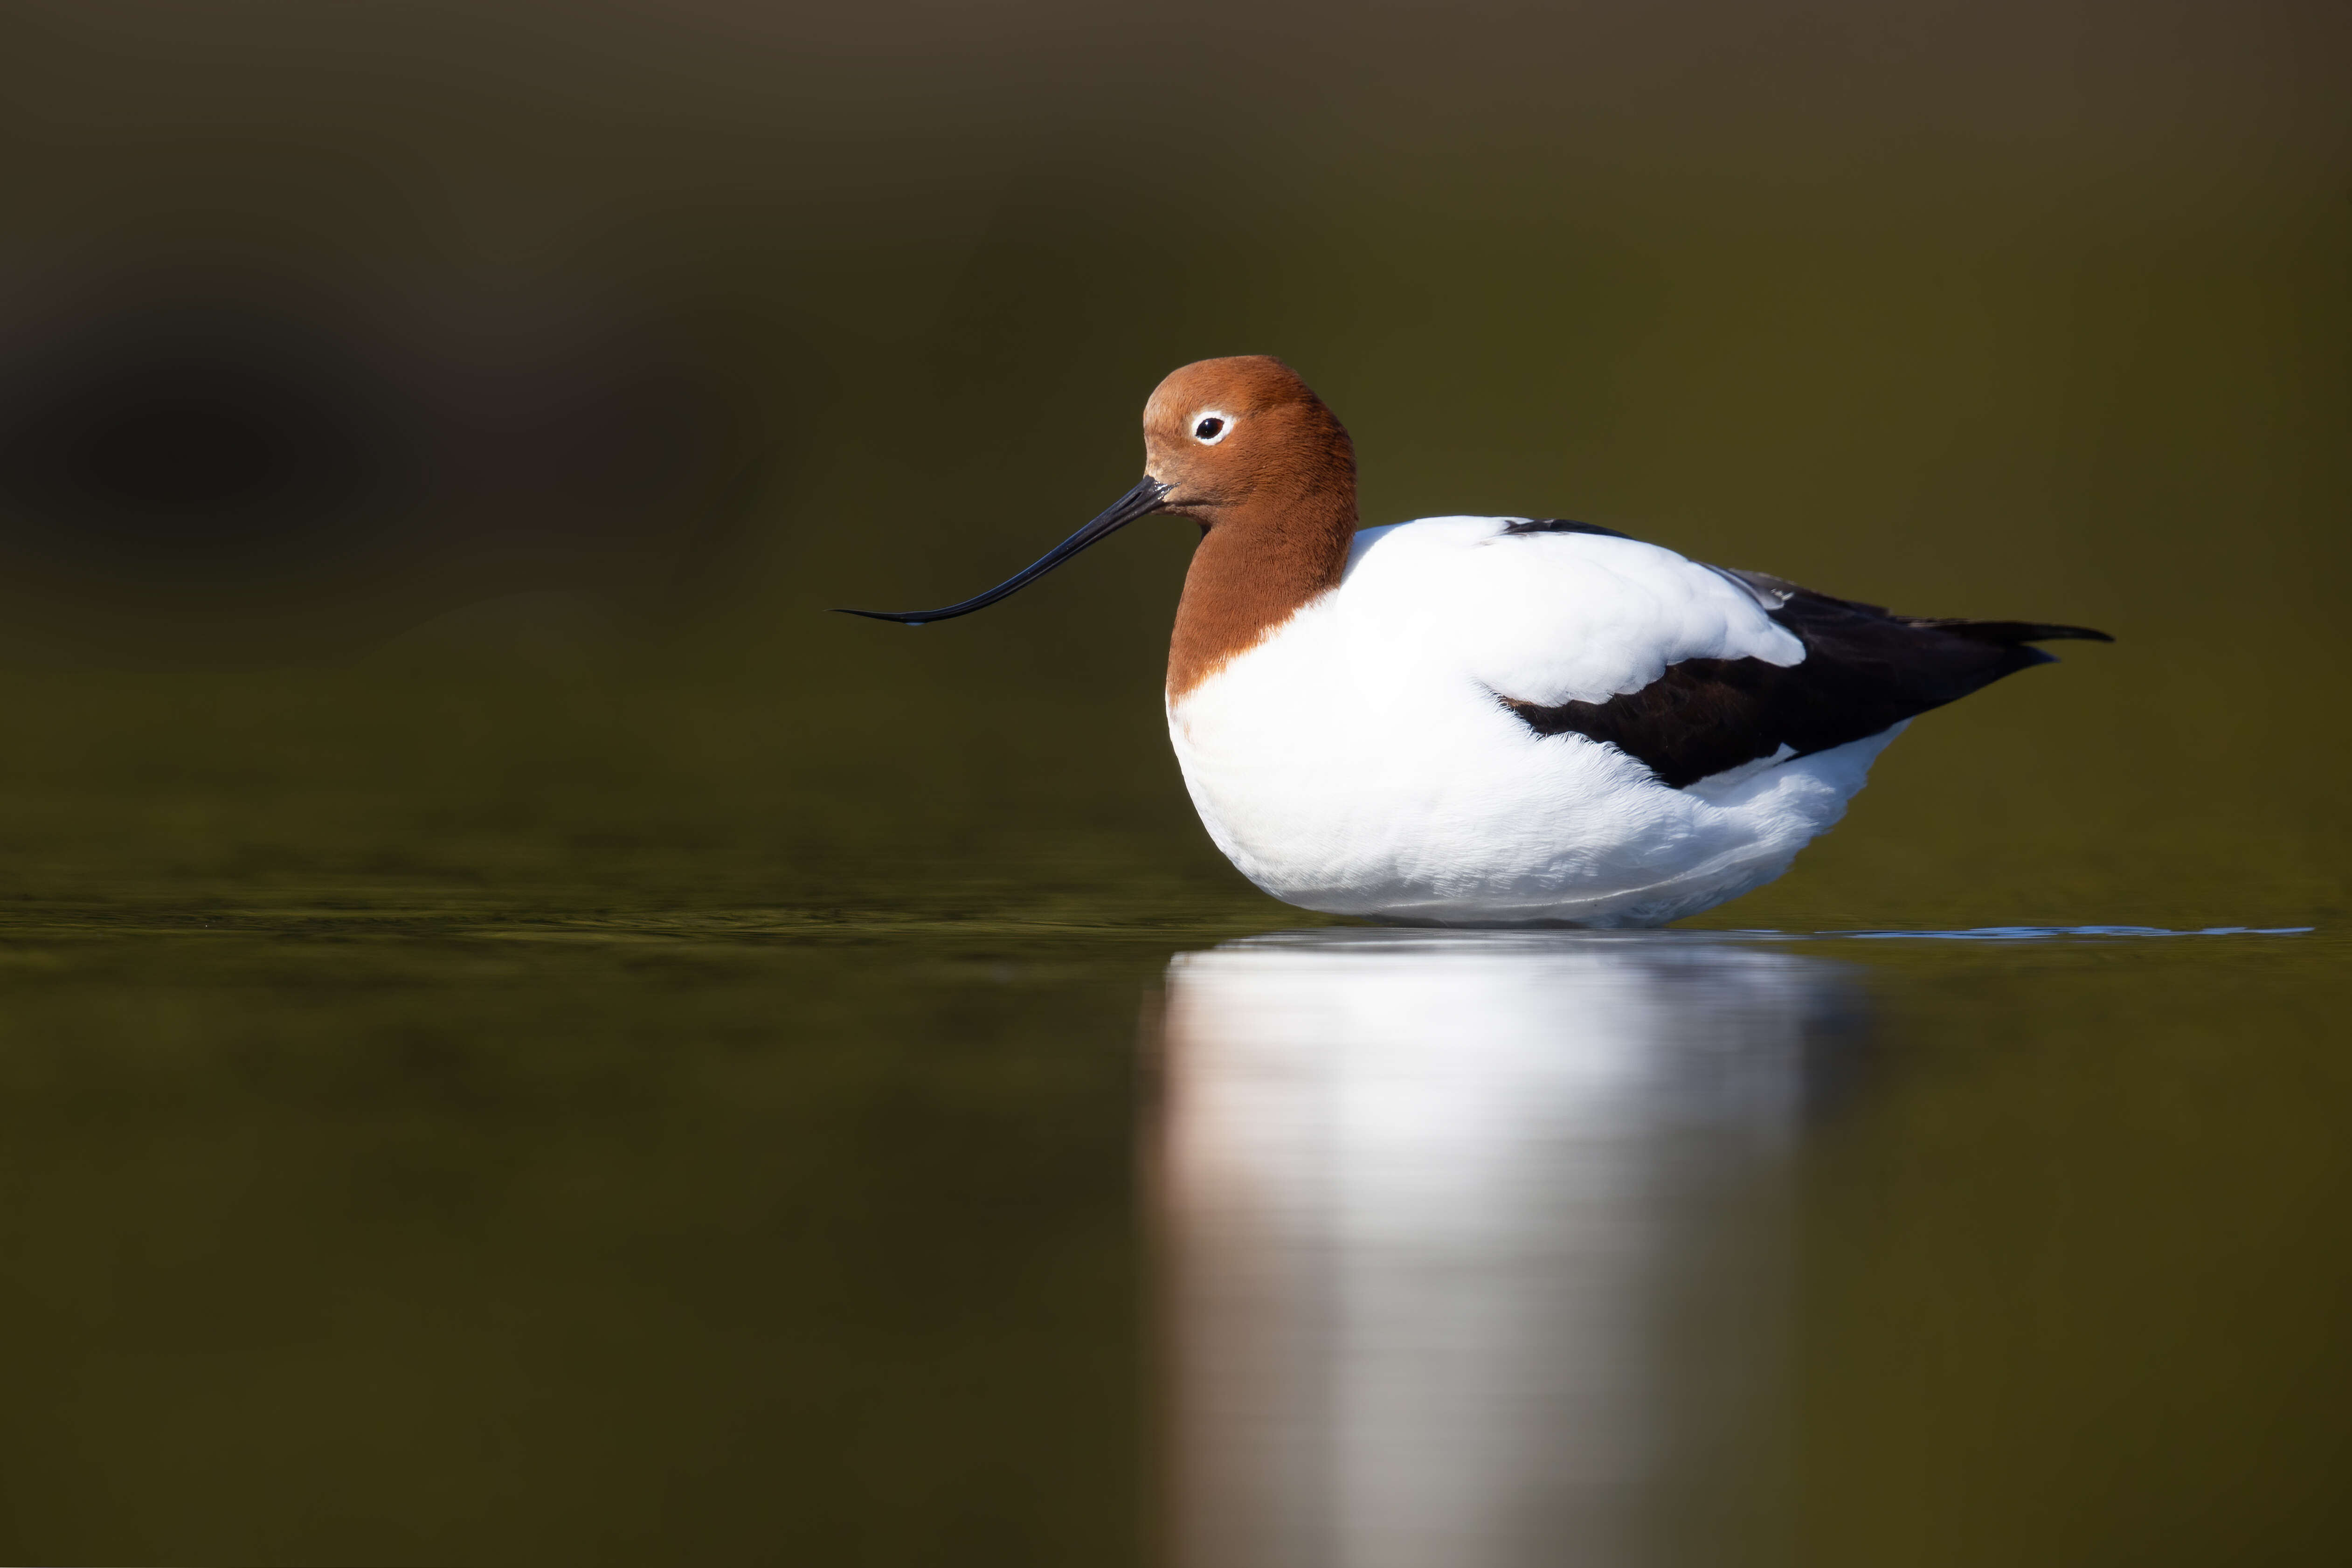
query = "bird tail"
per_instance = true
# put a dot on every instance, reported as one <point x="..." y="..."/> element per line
<point x="2015" y="639"/>
<point x="2011" y="632"/>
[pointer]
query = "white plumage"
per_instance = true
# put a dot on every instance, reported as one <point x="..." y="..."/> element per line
<point x="1496" y="721"/>
<point x="1360" y="759"/>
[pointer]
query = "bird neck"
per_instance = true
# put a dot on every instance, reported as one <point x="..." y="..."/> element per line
<point x="1256" y="566"/>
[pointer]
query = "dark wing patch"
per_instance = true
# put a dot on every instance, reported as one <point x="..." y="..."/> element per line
<point x="1561" y="526"/>
<point x="1864" y="671"/>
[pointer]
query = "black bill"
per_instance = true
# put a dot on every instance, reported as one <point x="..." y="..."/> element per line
<point x="1141" y="501"/>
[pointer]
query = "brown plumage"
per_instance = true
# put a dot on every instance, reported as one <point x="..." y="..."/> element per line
<point x="1275" y="495"/>
<point x="1413" y="748"/>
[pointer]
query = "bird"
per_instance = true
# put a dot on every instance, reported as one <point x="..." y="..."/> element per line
<point x="1496" y="721"/>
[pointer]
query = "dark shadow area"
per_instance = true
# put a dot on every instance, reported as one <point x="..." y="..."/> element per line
<point x="227" y="465"/>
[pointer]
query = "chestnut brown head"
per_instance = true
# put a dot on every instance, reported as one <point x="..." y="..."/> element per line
<point x="1238" y="443"/>
<point x="1240" y="438"/>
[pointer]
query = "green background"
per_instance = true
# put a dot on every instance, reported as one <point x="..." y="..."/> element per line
<point x="526" y="1039"/>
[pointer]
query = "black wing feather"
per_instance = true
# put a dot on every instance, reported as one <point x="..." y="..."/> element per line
<point x="1866" y="670"/>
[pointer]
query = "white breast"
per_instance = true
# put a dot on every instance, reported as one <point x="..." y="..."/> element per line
<point x="1360" y="760"/>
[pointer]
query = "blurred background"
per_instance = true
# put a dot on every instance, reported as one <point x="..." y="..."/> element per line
<point x="430" y="437"/>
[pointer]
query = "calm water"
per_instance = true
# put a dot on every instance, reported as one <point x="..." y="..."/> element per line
<point x="357" y="1232"/>
<point x="522" y="1041"/>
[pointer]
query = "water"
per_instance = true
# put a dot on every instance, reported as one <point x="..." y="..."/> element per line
<point x="385" y="1233"/>
<point x="524" y="1040"/>
<point x="1653" y="1250"/>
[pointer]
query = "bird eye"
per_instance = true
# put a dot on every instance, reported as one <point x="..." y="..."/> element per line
<point x="1211" y="429"/>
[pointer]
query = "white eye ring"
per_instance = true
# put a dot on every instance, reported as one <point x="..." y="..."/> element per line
<point x="1222" y="422"/>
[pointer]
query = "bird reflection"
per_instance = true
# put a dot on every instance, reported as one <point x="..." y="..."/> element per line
<point x="1476" y="1245"/>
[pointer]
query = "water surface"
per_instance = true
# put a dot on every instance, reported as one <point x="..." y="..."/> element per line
<point x="522" y="1039"/>
<point x="383" y="1233"/>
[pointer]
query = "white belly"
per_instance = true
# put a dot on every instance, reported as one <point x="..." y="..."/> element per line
<point x="1343" y="777"/>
